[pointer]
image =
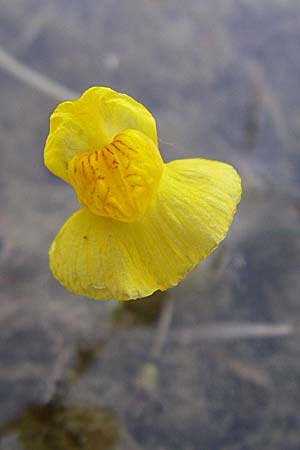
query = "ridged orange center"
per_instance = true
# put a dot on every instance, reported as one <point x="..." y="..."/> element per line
<point x="118" y="181"/>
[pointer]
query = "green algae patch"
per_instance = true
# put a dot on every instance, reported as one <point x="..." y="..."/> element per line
<point x="59" y="427"/>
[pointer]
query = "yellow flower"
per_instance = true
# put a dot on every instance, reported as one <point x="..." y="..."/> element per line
<point x="144" y="224"/>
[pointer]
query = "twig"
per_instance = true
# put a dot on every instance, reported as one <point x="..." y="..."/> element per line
<point x="148" y="375"/>
<point x="34" y="79"/>
<point x="162" y="329"/>
<point x="232" y="331"/>
<point x="215" y="332"/>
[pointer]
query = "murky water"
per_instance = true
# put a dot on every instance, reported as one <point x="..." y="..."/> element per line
<point x="212" y="364"/>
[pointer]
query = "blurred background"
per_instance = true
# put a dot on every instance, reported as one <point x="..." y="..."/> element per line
<point x="212" y="364"/>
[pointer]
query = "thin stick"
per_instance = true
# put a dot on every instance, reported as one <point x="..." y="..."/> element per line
<point x="34" y="79"/>
<point x="215" y="332"/>
<point x="233" y="331"/>
<point x="162" y="329"/>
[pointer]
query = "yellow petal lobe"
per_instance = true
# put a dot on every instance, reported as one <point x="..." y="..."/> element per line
<point x="190" y="214"/>
<point x="118" y="181"/>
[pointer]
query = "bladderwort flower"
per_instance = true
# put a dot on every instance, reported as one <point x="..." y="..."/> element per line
<point x="144" y="224"/>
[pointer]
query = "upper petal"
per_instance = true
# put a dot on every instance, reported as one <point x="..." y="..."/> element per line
<point x="103" y="258"/>
<point x="90" y="123"/>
